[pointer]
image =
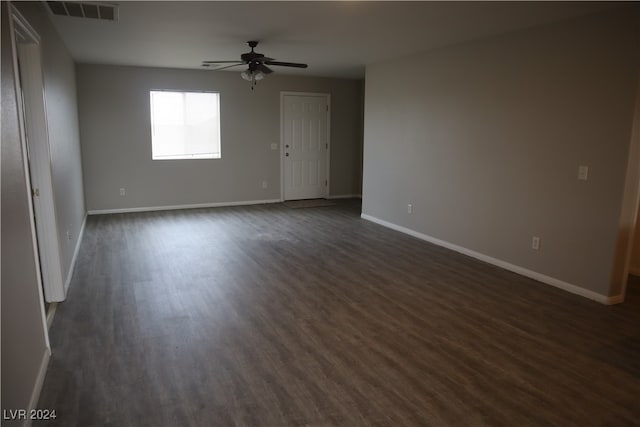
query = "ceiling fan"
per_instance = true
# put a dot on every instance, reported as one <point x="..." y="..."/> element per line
<point x="256" y="62"/>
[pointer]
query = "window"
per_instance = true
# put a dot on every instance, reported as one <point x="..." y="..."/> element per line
<point x="185" y="125"/>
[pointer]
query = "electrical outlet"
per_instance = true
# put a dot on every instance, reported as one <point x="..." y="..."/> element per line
<point x="68" y="235"/>
<point x="535" y="243"/>
<point x="583" y="173"/>
<point x="123" y="192"/>
<point x="265" y="184"/>
<point x="409" y="208"/>
<point x="274" y="146"/>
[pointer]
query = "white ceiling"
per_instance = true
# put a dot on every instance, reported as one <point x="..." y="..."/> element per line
<point x="336" y="39"/>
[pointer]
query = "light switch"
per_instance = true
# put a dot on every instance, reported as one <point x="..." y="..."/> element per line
<point x="583" y="173"/>
<point x="274" y="146"/>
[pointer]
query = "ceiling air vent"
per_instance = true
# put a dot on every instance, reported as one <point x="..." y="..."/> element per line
<point x="103" y="11"/>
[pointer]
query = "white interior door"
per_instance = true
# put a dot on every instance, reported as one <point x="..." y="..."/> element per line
<point x="305" y="146"/>
<point x="35" y="140"/>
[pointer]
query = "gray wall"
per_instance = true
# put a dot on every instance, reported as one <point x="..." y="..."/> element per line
<point x="485" y="140"/>
<point x="23" y="331"/>
<point x="116" y="137"/>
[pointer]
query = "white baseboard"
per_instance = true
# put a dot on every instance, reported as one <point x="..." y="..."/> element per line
<point x="51" y="312"/>
<point x="75" y="256"/>
<point x="345" y="196"/>
<point x="603" y="299"/>
<point x="174" y="207"/>
<point x="37" y="387"/>
<point x="617" y="299"/>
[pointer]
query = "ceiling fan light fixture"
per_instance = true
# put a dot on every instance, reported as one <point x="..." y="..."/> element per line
<point x="251" y="75"/>
<point x="257" y="65"/>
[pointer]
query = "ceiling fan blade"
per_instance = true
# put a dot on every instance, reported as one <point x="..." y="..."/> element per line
<point x="214" y="68"/>
<point x="264" y="69"/>
<point x="286" y="64"/>
<point x="219" y="62"/>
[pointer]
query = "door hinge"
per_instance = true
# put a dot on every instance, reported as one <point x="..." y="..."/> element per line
<point x="327" y="108"/>
<point x="326" y="182"/>
<point x="35" y="192"/>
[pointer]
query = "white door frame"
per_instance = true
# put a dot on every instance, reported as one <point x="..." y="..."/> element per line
<point x="32" y="117"/>
<point x="327" y="97"/>
<point x="631" y="198"/>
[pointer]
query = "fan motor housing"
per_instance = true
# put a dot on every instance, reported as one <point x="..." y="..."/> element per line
<point x="251" y="56"/>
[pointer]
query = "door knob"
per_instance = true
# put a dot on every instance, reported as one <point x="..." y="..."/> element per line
<point x="286" y="146"/>
<point x="286" y="154"/>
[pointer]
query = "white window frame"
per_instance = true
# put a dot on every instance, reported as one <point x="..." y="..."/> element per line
<point x="202" y="156"/>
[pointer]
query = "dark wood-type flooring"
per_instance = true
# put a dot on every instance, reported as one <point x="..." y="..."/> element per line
<point x="269" y="316"/>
